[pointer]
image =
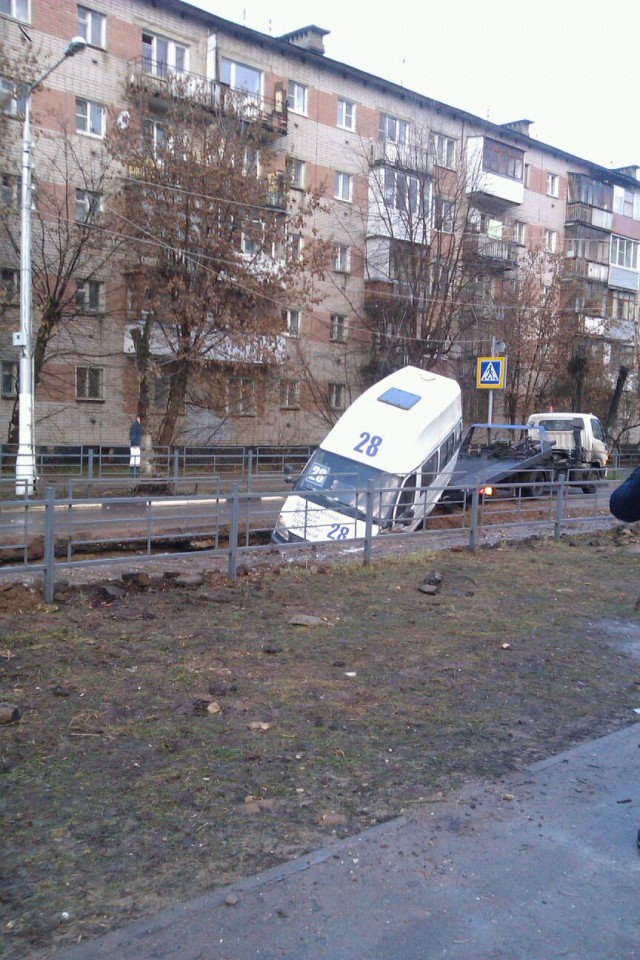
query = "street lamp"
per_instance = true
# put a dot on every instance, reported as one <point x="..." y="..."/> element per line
<point x="26" y="459"/>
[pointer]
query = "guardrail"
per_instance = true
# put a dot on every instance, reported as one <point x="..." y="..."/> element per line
<point x="55" y="533"/>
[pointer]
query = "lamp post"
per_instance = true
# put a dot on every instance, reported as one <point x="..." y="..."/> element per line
<point x="26" y="459"/>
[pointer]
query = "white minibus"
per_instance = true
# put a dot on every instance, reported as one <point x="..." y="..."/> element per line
<point x="404" y="434"/>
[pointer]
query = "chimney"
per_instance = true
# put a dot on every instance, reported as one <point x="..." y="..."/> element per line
<point x="518" y="126"/>
<point x="308" y="38"/>
<point x="631" y="171"/>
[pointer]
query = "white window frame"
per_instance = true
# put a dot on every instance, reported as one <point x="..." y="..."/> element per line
<point x="90" y="202"/>
<point x="9" y="372"/>
<point x="553" y="185"/>
<point x="290" y="392"/>
<point x="16" y="105"/>
<point x="393" y="129"/>
<point x="90" y="118"/>
<point x="339" y="329"/>
<point x="242" y="397"/>
<point x="9" y="282"/>
<point x="520" y="232"/>
<point x="232" y="81"/>
<point x="83" y="384"/>
<point x="337" y="395"/>
<point x="445" y="214"/>
<point x="624" y="252"/>
<point x="298" y="173"/>
<point x="295" y="244"/>
<point x="161" y="68"/>
<point x="444" y="150"/>
<point x="14" y="8"/>
<point x="297" y="97"/>
<point x="346" y="114"/>
<point x="343" y="186"/>
<point x="293" y="322"/>
<point x="90" y="296"/>
<point x="551" y="241"/>
<point x="341" y="258"/>
<point x="92" y="26"/>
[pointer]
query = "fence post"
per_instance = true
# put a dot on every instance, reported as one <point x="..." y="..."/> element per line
<point x="49" y="544"/>
<point x="473" y="533"/>
<point x="176" y="468"/>
<point x="368" y="526"/>
<point x="559" y="508"/>
<point x="249" y="468"/>
<point x="233" y="531"/>
<point x="90" y="472"/>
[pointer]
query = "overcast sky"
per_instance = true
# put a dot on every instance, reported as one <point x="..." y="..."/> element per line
<point x="568" y="66"/>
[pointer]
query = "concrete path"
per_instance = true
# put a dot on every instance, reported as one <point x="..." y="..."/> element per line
<point x="538" y="866"/>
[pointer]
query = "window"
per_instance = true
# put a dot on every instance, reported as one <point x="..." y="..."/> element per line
<point x="445" y="215"/>
<point x="527" y="174"/>
<point x="339" y="328"/>
<point x="242" y="396"/>
<point x="239" y="76"/>
<point x="444" y="150"/>
<point x="252" y="237"/>
<point x="624" y="253"/>
<point x="9" y="378"/>
<point x="623" y="201"/>
<point x="346" y="114"/>
<point x="161" y="56"/>
<point x="623" y="305"/>
<point x="19" y="9"/>
<point x="91" y="26"/>
<point x="290" y="393"/>
<point x="587" y="243"/>
<point x="88" y="204"/>
<point x="9" y="190"/>
<point x="295" y="244"/>
<point x="553" y="185"/>
<point x="342" y="258"/>
<point x="297" y="97"/>
<point x="89" y="383"/>
<point x="154" y="131"/>
<point x="292" y="322"/>
<point x="551" y="241"/>
<point x="16" y="104"/>
<point x="90" y="296"/>
<point x="337" y="395"/>
<point x="583" y="189"/>
<point x="89" y="118"/>
<point x="501" y="159"/>
<point x="392" y="129"/>
<point x="343" y="187"/>
<point x="403" y="192"/>
<point x="519" y="232"/>
<point x="9" y="285"/>
<point x="297" y="173"/>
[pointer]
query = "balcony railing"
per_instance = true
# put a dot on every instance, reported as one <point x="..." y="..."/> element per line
<point x="402" y="155"/>
<point x="156" y="79"/>
<point x="593" y="216"/>
<point x="587" y="269"/>
<point x="501" y="253"/>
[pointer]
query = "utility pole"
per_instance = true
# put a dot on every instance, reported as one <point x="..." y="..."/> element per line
<point x="26" y="458"/>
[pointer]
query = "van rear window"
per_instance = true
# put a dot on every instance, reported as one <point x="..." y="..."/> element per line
<point x="399" y="398"/>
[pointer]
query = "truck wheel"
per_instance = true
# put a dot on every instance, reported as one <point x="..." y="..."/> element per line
<point x="591" y="478"/>
<point x="535" y="484"/>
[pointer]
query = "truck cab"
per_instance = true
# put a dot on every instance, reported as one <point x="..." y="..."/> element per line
<point x="561" y="430"/>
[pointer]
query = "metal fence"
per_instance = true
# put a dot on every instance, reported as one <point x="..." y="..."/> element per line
<point x="53" y="534"/>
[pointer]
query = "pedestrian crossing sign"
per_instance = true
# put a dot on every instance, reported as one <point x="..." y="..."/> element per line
<point x="490" y="373"/>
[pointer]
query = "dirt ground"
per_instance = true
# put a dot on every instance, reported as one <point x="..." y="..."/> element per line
<point x="165" y="739"/>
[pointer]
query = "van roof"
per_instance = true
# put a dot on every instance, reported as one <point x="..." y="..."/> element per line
<point x="411" y="410"/>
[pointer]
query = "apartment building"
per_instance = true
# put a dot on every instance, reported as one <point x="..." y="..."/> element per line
<point x="429" y="213"/>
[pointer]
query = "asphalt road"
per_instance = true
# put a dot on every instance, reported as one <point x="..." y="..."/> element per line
<point x="539" y="866"/>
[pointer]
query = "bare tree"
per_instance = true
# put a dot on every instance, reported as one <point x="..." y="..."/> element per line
<point x="213" y="252"/>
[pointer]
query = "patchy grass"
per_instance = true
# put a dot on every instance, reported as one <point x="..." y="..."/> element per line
<point x="123" y="790"/>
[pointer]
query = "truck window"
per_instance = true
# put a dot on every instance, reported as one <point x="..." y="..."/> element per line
<point x="596" y="429"/>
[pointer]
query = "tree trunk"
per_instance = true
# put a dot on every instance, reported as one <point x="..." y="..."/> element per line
<point x="175" y="404"/>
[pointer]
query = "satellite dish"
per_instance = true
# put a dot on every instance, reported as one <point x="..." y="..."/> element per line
<point x="123" y="120"/>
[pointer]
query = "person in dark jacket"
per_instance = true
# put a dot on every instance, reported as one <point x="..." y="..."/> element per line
<point x="624" y="502"/>
<point x="135" y="441"/>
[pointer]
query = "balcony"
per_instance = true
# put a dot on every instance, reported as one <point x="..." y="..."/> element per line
<point x="156" y="80"/>
<point x="583" y="269"/>
<point x="215" y="345"/>
<point x="593" y="216"/>
<point x="405" y="156"/>
<point x="493" y="253"/>
<point x="497" y="189"/>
